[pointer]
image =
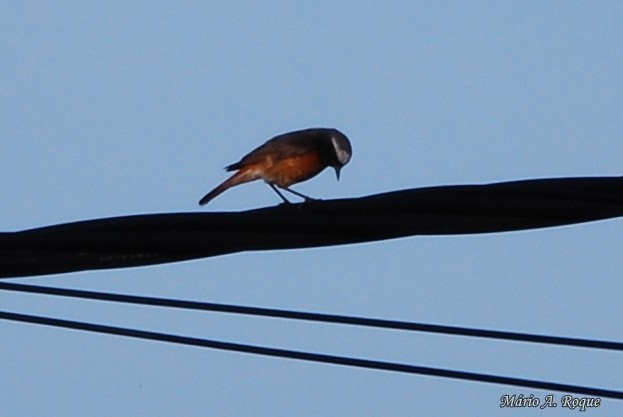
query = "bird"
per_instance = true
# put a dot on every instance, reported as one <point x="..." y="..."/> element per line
<point x="288" y="159"/>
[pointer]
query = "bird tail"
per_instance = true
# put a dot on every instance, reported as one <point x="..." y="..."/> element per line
<point x="238" y="178"/>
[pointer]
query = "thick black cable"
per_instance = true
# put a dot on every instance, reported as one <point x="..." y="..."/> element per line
<point x="312" y="357"/>
<point x="130" y="241"/>
<point x="316" y="317"/>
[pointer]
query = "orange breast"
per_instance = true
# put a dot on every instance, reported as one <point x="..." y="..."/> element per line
<point x="289" y="171"/>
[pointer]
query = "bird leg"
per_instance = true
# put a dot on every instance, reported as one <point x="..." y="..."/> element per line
<point x="285" y="200"/>
<point x="303" y="196"/>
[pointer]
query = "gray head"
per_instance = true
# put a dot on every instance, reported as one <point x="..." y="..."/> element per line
<point x="341" y="151"/>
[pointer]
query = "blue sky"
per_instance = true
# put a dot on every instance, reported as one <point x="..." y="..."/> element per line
<point x="113" y="109"/>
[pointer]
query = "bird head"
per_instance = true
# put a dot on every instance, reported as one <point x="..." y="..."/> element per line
<point x="341" y="151"/>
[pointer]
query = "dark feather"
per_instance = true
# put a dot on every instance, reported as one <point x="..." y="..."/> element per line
<point x="285" y="146"/>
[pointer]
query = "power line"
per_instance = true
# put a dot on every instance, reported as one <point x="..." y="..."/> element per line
<point x="315" y="317"/>
<point x="312" y="357"/>
<point x="122" y="242"/>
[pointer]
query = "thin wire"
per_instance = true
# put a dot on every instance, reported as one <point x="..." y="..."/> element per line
<point x="312" y="357"/>
<point x="316" y="317"/>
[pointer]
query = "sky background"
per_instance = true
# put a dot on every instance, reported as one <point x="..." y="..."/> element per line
<point x="118" y="108"/>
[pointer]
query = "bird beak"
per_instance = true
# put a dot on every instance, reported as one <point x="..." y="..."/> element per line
<point x="337" y="173"/>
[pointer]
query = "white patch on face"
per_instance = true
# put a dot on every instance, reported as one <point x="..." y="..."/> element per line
<point x="342" y="156"/>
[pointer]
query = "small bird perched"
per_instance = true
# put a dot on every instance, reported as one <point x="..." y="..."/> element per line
<point x="289" y="159"/>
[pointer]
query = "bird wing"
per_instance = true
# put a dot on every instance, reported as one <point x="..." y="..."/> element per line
<point x="280" y="147"/>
